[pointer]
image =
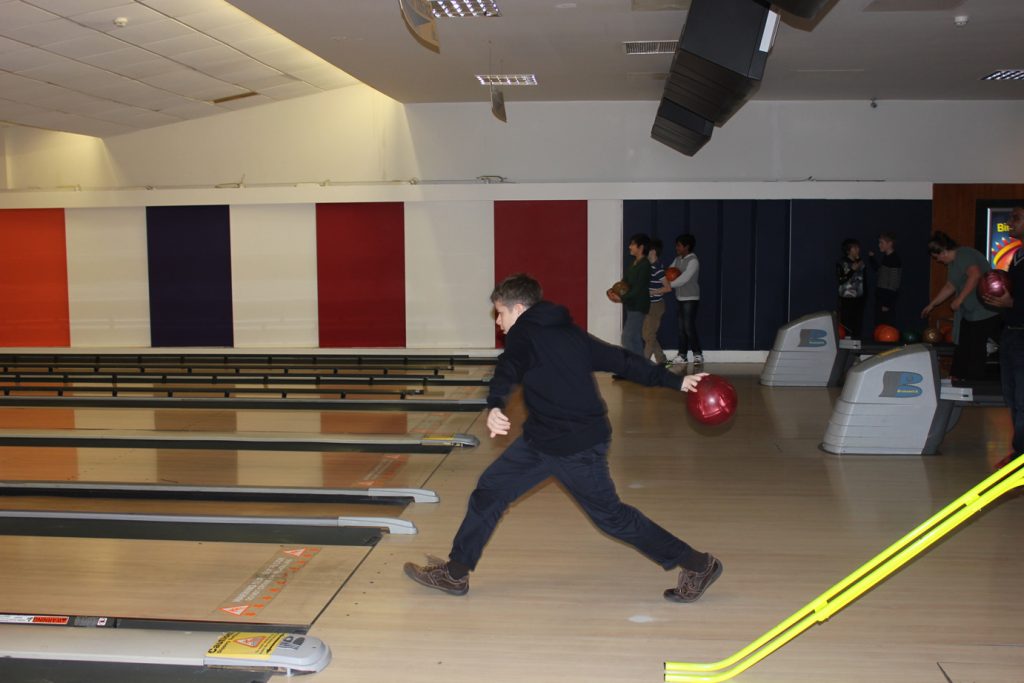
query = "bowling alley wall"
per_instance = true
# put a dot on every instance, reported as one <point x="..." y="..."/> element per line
<point x="346" y="220"/>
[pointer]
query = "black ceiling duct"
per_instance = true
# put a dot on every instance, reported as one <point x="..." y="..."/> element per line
<point x="721" y="56"/>
<point x="808" y="9"/>
<point x="718" y="65"/>
<point x="680" y="128"/>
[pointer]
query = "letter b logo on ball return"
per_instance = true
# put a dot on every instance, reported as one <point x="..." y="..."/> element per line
<point x="813" y="337"/>
<point x="898" y="384"/>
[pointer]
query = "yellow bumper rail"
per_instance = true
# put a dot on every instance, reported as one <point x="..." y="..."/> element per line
<point x="856" y="584"/>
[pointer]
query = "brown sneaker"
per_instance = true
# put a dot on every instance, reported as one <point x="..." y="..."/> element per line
<point x="435" y="575"/>
<point x="693" y="584"/>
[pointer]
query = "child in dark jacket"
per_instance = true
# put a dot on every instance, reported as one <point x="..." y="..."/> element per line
<point x="566" y="436"/>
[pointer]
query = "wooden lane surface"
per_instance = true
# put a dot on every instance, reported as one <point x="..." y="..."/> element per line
<point x="174" y="580"/>
<point x="787" y="520"/>
<point x="324" y="374"/>
<point x="231" y="421"/>
<point x="218" y="468"/>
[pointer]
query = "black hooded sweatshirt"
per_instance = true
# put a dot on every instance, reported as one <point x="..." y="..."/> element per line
<point x="554" y="361"/>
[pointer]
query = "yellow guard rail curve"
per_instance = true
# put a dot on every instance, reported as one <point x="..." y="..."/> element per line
<point x="856" y="584"/>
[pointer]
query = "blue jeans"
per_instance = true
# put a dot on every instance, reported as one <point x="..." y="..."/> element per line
<point x="585" y="476"/>
<point x="1011" y="364"/>
<point x="688" y="338"/>
<point x="632" y="332"/>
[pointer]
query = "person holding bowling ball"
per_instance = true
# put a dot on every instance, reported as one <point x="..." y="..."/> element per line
<point x="973" y="323"/>
<point x="850" y="275"/>
<point x="1011" y="344"/>
<point x="566" y="436"/>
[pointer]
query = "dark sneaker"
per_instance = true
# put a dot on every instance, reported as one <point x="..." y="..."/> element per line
<point x="435" y="575"/>
<point x="1004" y="462"/>
<point x="693" y="584"/>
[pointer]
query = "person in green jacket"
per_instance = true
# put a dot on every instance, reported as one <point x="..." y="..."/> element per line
<point x="637" y="300"/>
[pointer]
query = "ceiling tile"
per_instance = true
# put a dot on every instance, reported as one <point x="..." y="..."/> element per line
<point x="8" y="45"/>
<point x="219" y="57"/>
<point x="18" y="14"/>
<point x="216" y="15"/>
<point x="192" y="110"/>
<point x="151" y="31"/>
<point x="67" y="8"/>
<point x="187" y="82"/>
<point x="94" y="43"/>
<point x="289" y="90"/>
<point x="103" y="19"/>
<point x="26" y="58"/>
<point x="189" y="42"/>
<point x="176" y="8"/>
<point x="45" y="32"/>
<point x="246" y="102"/>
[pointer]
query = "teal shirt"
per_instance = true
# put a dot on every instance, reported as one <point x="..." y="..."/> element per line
<point x="971" y="309"/>
<point x="638" y="277"/>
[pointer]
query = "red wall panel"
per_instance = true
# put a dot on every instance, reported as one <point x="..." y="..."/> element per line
<point x="33" y="278"/>
<point x="361" y="274"/>
<point x="548" y="240"/>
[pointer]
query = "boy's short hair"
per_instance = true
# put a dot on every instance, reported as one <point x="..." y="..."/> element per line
<point x="641" y="240"/>
<point x="848" y="244"/>
<point x="940" y="242"/>
<point x="656" y="246"/>
<point x="688" y="241"/>
<point x="888" y="236"/>
<point x="518" y="288"/>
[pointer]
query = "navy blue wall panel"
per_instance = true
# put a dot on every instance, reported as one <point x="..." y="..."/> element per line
<point x="819" y="228"/>
<point x="765" y="262"/>
<point x="189" y="250"/>
<point x="771" y="270"/>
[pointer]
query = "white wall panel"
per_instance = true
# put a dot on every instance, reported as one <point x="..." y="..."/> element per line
<point x="449" y="274"/>
<point x="604" y="267"/>
<point x="108" y="276"/>
<point x="273" y="275"/>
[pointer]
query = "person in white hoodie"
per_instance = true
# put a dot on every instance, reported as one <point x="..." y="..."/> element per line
<point x="687" y="291"/>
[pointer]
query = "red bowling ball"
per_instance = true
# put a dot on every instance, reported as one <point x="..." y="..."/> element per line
<point x="713" y="401"/>
<point x="994" y="283"/>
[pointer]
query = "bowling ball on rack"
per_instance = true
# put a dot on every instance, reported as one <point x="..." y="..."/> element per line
<point x="887" y="334"/>
<point x="994" y="283"/>
<point x="842" y="332"/>
<point x="910" y="337"/>
<point x="948" y="336"/>
<point x="713" y="402"/>
<point x="931" y="336"/>
<point x="671" y="273"/>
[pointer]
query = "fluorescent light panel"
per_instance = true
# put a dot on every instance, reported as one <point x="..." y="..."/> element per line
<point x="507" y="79"/>
<point x="1005" y="75"/>
<point x="454" y="9"/>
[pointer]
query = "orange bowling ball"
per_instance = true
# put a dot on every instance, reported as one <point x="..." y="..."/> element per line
<point x="617" y="291"/>
<point x="887" y="334"/>
<point x="671" y="273"/>
<point x="842" y="332"/>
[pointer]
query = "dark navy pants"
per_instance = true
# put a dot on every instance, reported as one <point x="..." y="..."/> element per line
<point x="1011" y="365"/>
<point x="585" y="476"/>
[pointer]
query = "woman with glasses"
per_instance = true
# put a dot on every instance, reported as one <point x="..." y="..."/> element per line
<point x="973" y="323"/>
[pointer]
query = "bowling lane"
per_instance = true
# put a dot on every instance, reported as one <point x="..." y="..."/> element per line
<point x="239" y="583"/>
<point x="231" y="421"/>
<point x="218" y="468"/>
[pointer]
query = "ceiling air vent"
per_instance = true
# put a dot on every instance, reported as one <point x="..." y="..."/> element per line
<point x="1005" y="75"/>
<point x="649" y="47"/>
<point x="232" y="98"/>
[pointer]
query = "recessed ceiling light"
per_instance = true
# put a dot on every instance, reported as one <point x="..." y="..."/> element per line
<point x="507" y="79"/>
<point x="455" y="9"/>
<point x="1005" y="75"/>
